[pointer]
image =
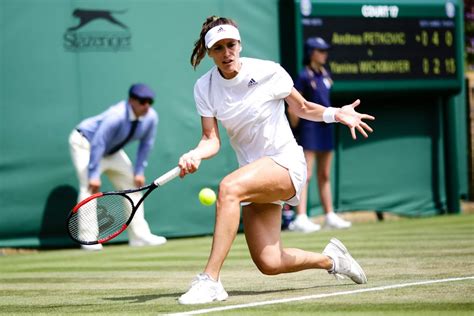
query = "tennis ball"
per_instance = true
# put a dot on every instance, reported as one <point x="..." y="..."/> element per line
<point x="207" y="197"/>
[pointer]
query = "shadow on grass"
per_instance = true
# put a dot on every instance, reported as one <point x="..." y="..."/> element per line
<point x="146" y="298"/>
<point x="289" y="290"/>
<point x="141" y="298"/>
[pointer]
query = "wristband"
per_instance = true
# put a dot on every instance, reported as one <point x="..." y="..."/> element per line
<point x="329" y="115"/>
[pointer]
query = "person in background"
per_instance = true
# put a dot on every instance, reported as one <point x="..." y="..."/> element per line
<point x="247" y="96"/>
<point x="96" y="147"/>
<point x="317" y="138"/>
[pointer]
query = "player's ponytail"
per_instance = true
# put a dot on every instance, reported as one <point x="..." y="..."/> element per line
<point x="199" y="50"/>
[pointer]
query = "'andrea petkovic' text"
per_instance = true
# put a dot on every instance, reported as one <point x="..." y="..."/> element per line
<point x="369" y="38"/>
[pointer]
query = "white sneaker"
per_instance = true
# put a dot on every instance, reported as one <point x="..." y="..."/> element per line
<point x="96" y="247"/>
<point x="334" y="221"/>
<point x="344" y="264"/>
<point x="203" y="290"/>
<point x="150" y="240"/>
<point x="303" y="224"/>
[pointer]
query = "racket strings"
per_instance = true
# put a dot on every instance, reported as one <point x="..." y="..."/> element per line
<point x="99" y="218"/>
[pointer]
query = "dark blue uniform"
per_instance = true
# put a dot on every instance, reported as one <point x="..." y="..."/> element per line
<point x="315" y="87"/>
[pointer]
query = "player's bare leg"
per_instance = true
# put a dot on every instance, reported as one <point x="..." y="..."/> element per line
<point x="262" y="181"/>
<point x="262" y="224"/>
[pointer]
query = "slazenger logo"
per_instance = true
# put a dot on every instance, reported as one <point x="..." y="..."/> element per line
<point x="84" y="37"/>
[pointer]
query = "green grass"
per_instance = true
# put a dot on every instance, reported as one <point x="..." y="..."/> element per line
<point x="147" y="281"/>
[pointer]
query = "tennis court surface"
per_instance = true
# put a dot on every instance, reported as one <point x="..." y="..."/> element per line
<point x="414" y="267"/>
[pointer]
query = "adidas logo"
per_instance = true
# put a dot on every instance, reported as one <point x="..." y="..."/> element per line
<point x="252" y="83"/>
<point x="221" y="29"/>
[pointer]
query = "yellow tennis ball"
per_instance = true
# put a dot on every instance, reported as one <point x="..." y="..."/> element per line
<point x="207" y="197"/>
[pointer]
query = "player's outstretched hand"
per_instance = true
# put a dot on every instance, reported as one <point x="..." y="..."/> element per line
<point x="189" y="163"/>
<point x="348" y="116"/>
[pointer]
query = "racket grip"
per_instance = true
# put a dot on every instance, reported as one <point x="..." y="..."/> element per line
<point x="170" y="175"/>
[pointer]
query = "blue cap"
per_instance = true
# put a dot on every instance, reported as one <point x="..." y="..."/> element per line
<point x="316" y="43"/>
<point x="142" y="91"/>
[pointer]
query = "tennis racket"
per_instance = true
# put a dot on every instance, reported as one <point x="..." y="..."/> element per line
<point x="104" y="215"/>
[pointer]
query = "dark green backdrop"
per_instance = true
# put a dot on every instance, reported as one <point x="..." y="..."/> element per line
<point x="47" y="87"/>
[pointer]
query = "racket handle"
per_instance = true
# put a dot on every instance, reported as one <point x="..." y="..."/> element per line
<point x="170" y="175"/>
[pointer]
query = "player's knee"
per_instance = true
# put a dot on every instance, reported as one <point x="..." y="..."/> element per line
<point x="268" y="265"/>
<point x="229" y="190"/>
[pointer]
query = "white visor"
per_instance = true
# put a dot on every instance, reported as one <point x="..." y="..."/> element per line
<point x="220" y="32"/>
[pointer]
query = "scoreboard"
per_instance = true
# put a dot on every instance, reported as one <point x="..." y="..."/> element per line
<point x="405" y="48"/>
<point x="401" y="45"/>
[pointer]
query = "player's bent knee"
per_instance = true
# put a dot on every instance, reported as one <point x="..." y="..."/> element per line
<point x="229" y="189"/>
<point x="268" y="266"/>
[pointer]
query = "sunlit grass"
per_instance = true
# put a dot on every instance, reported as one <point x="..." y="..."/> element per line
<point x="147" y="281"/>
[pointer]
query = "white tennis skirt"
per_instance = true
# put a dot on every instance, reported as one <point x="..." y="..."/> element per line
<point x="292" y="159"/>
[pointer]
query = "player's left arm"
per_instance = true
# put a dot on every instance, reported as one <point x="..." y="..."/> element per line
<point x="346" y="115"/>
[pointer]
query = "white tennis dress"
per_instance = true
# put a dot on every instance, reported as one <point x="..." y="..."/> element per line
<point x="251" y="108"/>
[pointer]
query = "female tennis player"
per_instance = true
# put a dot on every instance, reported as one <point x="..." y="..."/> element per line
<point x="247" y="96"/>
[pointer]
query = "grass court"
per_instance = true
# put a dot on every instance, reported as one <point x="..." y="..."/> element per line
<point x="397" y="255"/>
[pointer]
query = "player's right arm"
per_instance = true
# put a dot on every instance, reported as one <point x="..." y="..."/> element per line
<point x="208" y="147"/>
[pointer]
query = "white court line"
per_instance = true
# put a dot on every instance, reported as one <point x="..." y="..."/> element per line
<point x="317" y="296"/>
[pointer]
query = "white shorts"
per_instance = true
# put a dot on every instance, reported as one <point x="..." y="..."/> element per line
<point x="293" y="160"/>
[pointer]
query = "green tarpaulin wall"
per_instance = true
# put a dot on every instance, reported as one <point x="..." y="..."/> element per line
<point x="52" y="75"/>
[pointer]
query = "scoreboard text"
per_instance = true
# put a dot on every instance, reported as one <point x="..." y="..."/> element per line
<point x="386" y="49"/>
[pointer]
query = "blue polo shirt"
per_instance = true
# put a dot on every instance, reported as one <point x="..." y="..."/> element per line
<point x="110" y="128"/>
